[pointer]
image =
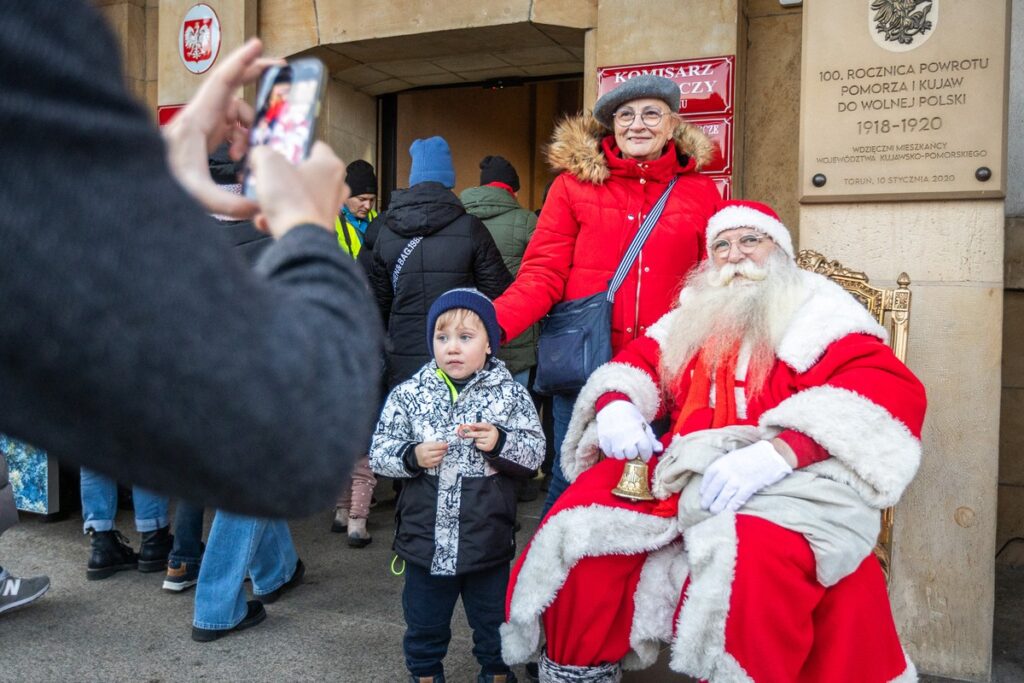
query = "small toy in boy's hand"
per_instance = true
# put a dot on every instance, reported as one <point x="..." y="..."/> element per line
<point x="484" y="435"/>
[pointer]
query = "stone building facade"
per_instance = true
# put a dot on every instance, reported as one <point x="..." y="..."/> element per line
<point x="493" y="75"/>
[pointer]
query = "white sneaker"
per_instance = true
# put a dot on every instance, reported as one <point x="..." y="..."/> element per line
<point x="15" y="592"/>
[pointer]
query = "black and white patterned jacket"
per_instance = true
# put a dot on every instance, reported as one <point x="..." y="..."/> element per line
<point x="458" y="517"/>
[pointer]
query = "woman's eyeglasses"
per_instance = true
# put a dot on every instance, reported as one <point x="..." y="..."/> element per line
<point x="649" y="117"/>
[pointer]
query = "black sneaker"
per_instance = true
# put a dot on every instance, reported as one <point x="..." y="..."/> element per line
<point x="182" y="577"/>
<point x="254" y="614"/>
<point x="15" y="592"/>
<point x="272" y="596"/>
<point x="110" y="554"/>
<point x="155" y="547"/>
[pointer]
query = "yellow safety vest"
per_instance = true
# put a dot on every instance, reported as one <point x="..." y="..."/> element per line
<point x="349" y="238"/>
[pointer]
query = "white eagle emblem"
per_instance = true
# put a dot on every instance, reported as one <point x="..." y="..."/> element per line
<point x="198" y="40"/>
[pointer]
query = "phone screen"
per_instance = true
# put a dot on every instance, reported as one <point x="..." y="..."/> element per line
<point x="287" y="109"/>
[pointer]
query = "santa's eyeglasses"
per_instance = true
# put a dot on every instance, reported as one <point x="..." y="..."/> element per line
<point x="747" y="244"/>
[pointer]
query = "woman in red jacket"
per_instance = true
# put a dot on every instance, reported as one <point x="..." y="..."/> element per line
<point x="615" y="165"/>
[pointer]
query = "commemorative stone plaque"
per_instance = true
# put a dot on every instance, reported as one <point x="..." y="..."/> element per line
<point x="903" y="99"/>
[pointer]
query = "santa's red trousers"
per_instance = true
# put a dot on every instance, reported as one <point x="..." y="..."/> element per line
<point x="782" y="625"/>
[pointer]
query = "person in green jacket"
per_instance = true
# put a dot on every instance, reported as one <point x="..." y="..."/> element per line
<point x="494" y="202"/>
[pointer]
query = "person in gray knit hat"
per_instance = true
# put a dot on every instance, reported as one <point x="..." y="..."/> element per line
<point x="642" y="87"/>
<point x="615" y="165"/>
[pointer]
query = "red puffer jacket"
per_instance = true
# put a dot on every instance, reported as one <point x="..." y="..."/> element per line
<point x="592" y="212"/>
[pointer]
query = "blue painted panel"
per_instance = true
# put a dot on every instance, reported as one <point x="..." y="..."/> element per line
<point x="30" y="474"/>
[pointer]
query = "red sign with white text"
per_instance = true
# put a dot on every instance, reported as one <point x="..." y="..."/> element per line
<point x="705" y="85"/>
<point x="719" y="131"/>
<point x="724" y="185"/>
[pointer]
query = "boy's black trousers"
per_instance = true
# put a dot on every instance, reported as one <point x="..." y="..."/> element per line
<point x="429" y="602"/>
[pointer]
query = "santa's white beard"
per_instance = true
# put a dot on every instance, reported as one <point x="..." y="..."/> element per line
<point x="735" y="304"/>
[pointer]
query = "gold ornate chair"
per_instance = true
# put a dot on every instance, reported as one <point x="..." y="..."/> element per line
<point x="891" y="307"/>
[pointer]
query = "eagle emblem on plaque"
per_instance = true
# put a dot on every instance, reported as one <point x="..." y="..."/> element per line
<point x="902" y="25"/>
<point x="198" y="40"/>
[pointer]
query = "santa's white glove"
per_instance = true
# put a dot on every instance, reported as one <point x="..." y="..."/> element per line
<point x="623" y="433"/>
<point x="730" y="481"/>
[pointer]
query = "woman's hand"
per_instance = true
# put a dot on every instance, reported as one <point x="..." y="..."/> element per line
<point x="484" y="435"/>
<point x="430" y="453"/>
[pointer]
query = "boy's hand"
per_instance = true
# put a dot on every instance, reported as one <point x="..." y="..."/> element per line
<point x="430" y="453"/>
<point x="484" y="435"/>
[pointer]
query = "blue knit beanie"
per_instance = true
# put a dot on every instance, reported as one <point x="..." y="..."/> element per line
<point x="469" y="298"/>
<point x="431" y="160"/>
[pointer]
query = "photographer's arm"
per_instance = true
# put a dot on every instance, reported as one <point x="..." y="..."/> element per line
<point x="134" y="342"/>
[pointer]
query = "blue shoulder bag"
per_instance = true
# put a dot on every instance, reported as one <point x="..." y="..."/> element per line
<point x="576" y="336"/>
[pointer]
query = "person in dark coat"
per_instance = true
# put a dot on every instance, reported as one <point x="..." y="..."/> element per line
<point x="156" y="346"/>
<point x="434" y="245"/>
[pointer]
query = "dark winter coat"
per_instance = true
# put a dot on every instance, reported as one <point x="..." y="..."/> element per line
<point x="458" y="517"/>
<point x="511" y="226"/>
<point x="590" y="216"/>
<point x="133" y="343"/>
<point x="456" y="251"/>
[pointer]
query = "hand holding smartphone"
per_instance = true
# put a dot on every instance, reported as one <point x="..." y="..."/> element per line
<point x="287" y="110"/>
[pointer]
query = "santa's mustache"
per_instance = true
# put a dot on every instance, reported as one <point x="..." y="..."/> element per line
<point x="724" y="276"/>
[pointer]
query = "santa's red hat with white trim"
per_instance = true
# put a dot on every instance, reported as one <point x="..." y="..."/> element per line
<point x="739" y="213"/>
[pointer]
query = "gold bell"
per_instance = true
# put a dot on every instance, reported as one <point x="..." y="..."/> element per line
<point x="633" y="482"/>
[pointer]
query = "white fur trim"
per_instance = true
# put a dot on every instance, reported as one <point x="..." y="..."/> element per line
<point x="745" y="217"/>
<point x="699" y="646"/>
<point x="872" y="451"/>
<point x="828" y="314"/>
<point x="909" y="674"/>
<point x="562" y="541"/>
<point x="659" y="330"/>
<point x="654" y="605"/>
<point x="580" y="450"/>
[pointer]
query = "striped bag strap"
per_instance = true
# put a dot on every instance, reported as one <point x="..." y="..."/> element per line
<point x="638" y="241"/>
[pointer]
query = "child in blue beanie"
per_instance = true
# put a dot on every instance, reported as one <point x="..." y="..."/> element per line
<point x="457" y="433"/>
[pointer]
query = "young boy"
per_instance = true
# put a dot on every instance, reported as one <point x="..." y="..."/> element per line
<point x="458" y="433"/>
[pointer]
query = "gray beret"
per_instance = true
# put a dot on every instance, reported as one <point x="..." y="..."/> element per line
<point x="636" y="88"/>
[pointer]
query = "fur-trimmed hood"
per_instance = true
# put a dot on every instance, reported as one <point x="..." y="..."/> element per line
<point x="576" y="147"/>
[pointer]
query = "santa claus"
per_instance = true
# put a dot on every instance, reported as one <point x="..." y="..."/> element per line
<point x="793" y="425"/>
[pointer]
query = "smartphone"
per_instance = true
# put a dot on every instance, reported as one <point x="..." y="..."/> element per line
<point x="287" y="109"/>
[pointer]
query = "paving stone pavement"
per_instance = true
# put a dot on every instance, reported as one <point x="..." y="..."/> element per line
<point x="344" y="624"/>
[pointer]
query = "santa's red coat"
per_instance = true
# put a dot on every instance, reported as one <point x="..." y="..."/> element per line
<point x="740" y="601"/>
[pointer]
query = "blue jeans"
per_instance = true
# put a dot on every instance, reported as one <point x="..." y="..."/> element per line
<point x="428" y="603"/>
<point x="523" y="377"/>
<point x="561" y="411"/>
<point x="188" y="534"/>
<point x="237" y="545"/>
<point x="99" y="504"/>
